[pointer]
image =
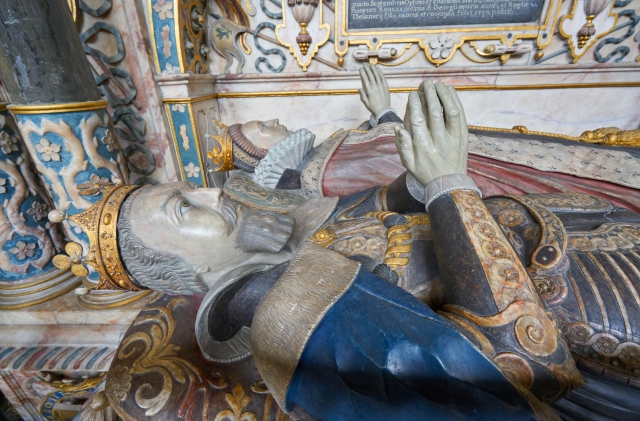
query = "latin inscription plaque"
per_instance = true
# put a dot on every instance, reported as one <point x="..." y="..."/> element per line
<point x="378" y="14"/>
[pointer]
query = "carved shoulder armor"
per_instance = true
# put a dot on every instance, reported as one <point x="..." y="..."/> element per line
<point x="583" y="254"/>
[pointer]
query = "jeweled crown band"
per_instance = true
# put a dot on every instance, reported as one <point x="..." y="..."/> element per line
<point x="100" y="223"/>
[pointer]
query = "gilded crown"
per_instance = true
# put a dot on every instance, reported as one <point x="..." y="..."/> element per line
<point x="100" y="223"/>
<point x="221" y="156"/>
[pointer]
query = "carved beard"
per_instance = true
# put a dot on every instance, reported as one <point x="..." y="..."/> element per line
<point x="229" y="211"/>
<point x="258" y="231"/>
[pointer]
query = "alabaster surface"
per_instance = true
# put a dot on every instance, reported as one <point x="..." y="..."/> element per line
<point x="563" y="111"/>
<point x="65" y="310"/>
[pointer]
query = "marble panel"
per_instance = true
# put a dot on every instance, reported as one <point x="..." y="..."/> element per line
<point x="66" y="310"/>
<point x="137" y="64"/>
<point x="461" y="76"/>
<point x="185" y="85"/>
<point x="565" y="111"/>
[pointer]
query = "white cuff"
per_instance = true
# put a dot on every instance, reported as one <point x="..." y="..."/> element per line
<point x="373" y="119"/>
<point x="446" y="184"/>
<point x="384" y="111"/>
<point x="416" y="190"/>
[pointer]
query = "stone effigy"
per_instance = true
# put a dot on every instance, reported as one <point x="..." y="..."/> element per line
<point x="155" y="117"/>
<point x="475" y="309"/>
<point x="353" y="160"/>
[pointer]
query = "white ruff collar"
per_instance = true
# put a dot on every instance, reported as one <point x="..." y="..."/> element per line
<point x="286" y="154"/>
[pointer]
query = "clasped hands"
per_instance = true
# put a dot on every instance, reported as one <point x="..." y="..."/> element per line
<point x="435" y="137"/>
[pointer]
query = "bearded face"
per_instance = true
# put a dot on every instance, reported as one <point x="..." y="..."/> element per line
<point x="212" y="233"/>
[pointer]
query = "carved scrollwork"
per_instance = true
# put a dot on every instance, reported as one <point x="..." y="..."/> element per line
<point x="553" y="242"/>
<point x="537" y="339"/>
<point x="552" y="289"/>
<point x="603" y="344"/>
<point x="607" y="237"/>
<point x="533" y="330"/>
<point x="515" y="368"/>
<point x="159" y="356"/>
<point x="507" y="279"/>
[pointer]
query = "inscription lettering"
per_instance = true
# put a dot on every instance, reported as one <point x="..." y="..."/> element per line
<point x="375" y="14"/>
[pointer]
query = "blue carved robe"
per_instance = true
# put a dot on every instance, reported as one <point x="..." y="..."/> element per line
<point x="381" y="354"/>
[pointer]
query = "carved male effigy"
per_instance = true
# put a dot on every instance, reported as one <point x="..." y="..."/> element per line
<point x="416" y="300"/>
<point x="353" y="160"/>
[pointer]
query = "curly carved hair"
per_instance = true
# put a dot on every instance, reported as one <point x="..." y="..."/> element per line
<point x="156" y="270"/>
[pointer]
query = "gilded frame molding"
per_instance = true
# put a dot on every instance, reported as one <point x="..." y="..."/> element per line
<point x="541" y="32"/>
<point x="65" y="107"/>
<point x="282" y="28"/>
<point x="577" y="53"/>
<point x="330" y="92"/>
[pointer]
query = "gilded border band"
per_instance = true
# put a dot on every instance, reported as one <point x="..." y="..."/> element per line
<point x="323" y="92"/>
<point x="67" y="107"/>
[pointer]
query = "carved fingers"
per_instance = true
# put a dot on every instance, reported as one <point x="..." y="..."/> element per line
<point x="434" y="140"/>
<point x="463" y="129"/>
<point x="366" y="87"/>
<point x="375" y="91"/>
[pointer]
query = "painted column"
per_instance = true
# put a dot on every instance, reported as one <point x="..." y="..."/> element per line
<point x="178" y="42"/>
<point x="74" y="148"/>
<point x="64" y="122"/>
<point x="28" y="241"/>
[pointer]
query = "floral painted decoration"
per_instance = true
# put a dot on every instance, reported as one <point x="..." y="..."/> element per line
<point x="22" y="250"/>
<point x="8" y="143"/>
<point x="191" y="170"/>
<point x="163" y="9"/>
<point x="38" y="211"/>
<point x="110" y="140"/>
<point x="49" y="151"/>
<point x="94" y="186"/>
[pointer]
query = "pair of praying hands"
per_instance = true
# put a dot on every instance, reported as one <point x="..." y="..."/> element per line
<point x="435" y="137"/>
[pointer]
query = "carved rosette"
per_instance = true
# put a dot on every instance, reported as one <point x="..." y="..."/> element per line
<point x="28" y="240"/>
<point x="75" y="150"/>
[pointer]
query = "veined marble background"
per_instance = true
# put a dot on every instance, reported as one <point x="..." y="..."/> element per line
<point x="568" y="111"/>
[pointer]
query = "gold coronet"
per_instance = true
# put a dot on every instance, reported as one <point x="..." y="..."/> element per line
<point x="66" y="107"/>
<point x="100" y="223"/>
<point x="222" y="156"/>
